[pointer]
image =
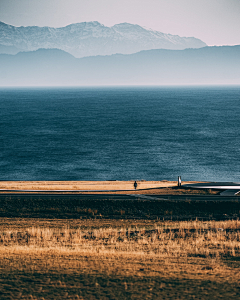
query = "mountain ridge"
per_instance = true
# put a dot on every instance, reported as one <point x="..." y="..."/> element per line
<point x="54" y="67"/>
<point x="93" y="38"/>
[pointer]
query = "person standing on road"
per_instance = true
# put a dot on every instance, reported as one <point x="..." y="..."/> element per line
<point x="135" y="184"/>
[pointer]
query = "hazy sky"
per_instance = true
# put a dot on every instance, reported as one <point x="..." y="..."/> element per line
<point x="216" y="22"/>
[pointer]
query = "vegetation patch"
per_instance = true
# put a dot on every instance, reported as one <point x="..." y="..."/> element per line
<point x="117" y="207"/>
<point x="119" y="259"/>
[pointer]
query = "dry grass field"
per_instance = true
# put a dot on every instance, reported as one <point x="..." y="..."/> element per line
<point x="98" y="187"/>
<point x="119" y="259"/>
<point x="84" y="185"/>
<point x="69" y="246"/>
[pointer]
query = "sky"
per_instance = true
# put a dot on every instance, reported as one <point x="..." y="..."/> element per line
<point x="216" y="22"/>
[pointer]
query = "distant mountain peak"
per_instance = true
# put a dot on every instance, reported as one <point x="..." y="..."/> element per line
<point x="83" y="24"/>
<point x="129" y="26"/>
<point x="207" y="65"/>
<point x="93" y="38"/>
<point x="50" y="53"/>
<point x="4" y="24"/>
<point x="125" y="24"/>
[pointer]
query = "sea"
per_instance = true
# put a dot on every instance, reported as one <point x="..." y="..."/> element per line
<point x="120" y="133"/>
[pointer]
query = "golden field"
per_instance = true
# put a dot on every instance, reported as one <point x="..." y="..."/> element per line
<point x="119" y="259"/>
<point x="88" y="185"/>
<point x="162" y="187"/>
<point x="84" y="185"/>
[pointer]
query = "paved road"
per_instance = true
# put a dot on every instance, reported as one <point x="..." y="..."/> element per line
<point x="116" y="197"/>
<point x="228" y="188"/>
<point x="214" y="185"/>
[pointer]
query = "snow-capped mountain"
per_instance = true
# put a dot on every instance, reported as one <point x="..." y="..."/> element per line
<point x="93" y="38"/>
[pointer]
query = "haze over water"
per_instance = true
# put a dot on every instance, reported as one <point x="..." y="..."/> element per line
<point x="115" y="133"/>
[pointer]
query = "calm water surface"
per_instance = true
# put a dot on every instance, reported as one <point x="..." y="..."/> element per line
<point x="120" y="133"/>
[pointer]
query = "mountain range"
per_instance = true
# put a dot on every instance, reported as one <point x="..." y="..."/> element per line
<point x="54" y="67"/>
<point x="91" y="39"/>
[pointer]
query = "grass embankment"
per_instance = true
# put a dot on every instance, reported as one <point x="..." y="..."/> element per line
<point x="120" y="207"/>
<point x="119" y="259"/>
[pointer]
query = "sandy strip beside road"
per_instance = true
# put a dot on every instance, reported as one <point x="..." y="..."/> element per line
<point x="86" y="185"/>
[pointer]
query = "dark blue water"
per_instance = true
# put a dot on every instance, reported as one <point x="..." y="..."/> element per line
<point x="120" y="133"/>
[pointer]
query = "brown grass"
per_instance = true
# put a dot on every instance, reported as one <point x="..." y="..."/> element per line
<point x="177" y="239"/>
<point x="120" y="259"/>
<point x="120" y="187"/>
<point x="83" y="185"/>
